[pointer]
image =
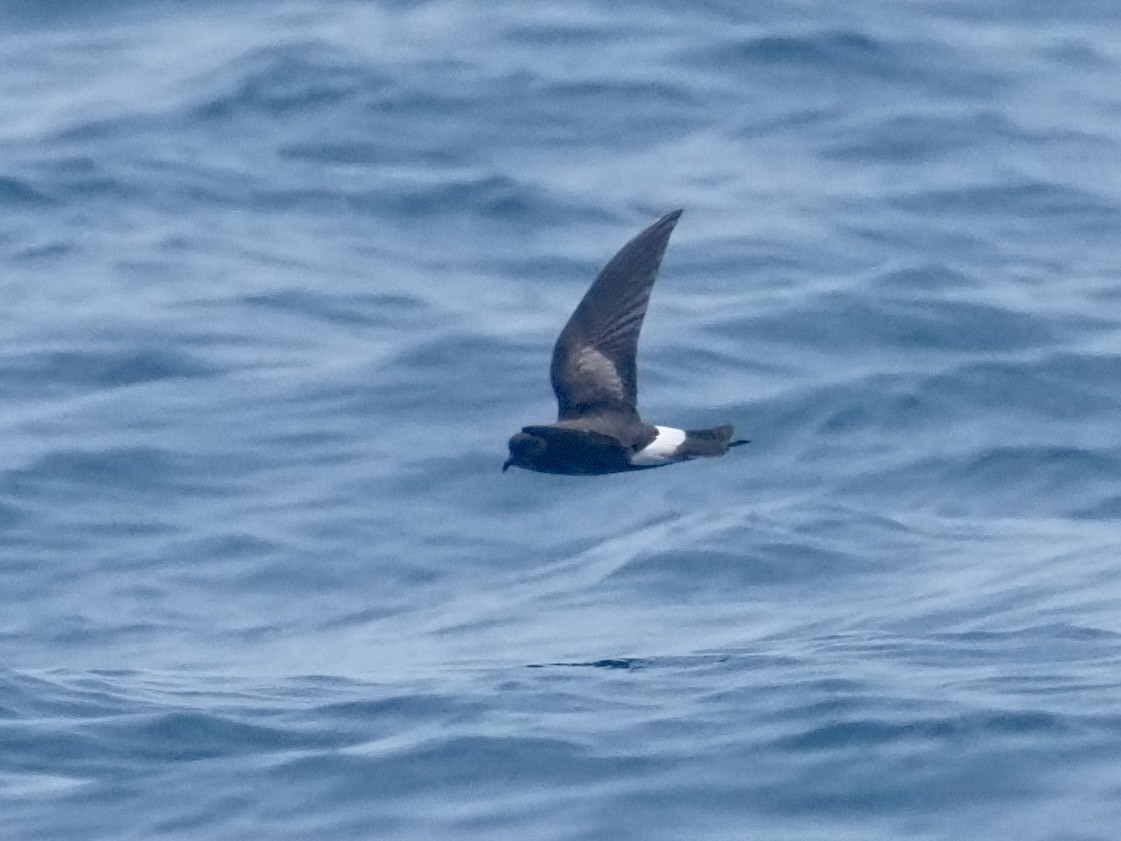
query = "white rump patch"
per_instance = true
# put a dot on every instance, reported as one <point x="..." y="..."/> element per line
<point x="661" y="450"/>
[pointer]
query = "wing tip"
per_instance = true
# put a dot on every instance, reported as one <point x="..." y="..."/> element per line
<point x="664" y="225"/>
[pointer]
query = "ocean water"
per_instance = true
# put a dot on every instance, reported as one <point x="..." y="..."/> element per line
<point x="278" y="280"/>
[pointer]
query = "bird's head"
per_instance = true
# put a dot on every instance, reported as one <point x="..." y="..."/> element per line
<point x="525" y="449"/>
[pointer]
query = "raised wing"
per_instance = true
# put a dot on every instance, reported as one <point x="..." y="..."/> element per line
<point x="593" y="368"/>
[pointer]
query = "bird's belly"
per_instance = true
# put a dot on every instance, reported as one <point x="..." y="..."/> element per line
<point x="662" y="450"/>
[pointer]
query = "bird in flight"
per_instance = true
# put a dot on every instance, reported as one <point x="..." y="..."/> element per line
<point x="598" y="429"/>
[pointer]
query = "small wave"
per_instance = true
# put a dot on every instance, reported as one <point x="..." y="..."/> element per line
<point x="16" y="193"/>
<point x="54" y="372"/>
<point x="282" y="78"/>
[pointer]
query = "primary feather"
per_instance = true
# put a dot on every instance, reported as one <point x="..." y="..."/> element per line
<point x="593" y="369"/>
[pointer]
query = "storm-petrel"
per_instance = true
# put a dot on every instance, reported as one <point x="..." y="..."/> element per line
<point x="598" y="429"/>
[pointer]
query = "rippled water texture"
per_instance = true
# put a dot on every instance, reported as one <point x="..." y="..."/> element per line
<point x="279" y="281"/>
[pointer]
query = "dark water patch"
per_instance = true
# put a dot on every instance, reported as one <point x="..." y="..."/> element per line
<point x="858" y="791"/>
<point x="73" y="177"/>
<point x="845" y="700"/>
<point x="656" y="94"/>
<point x="1060" y="387"/>
<point x="437" y="105"/>
<point x="94" y="131"/>
<point x="359" y="618"/>
<point x="1022" y="480"/>
<point x="1054" y="631"/>
<point x="141" y="473"/>
<point x="228" y="550"/>
<point x="914" y="138"/>
<point x="454" y="762"/>
<point x="846" y="50"/>
<point x="1061" y="645"/>
<point x="313" y="446"/>
<point x="388" y="715"/>
<point x="1053" y="205"/>
<point x="11" y="515"/>
<point x="65" y="14"/>
<point x="1096" y="13"/>
<point x="497" y="197"/>
<point x="36" y="697"/>
<point x="850" y="58"/>
<point x="1104" y="509"/>
<point x="295" y="574"/>
<point x="554" y="34"/>
<point x="110" y="529"/>
<point x="54" y="750"/>
<point x="67" y="163"/>
<point x="485" y="459"/>
<point x="366" y="152"/>
<point x="279" y="79"/>
<point x="93" y="629"/>
<point x="624" y="663"/>
<point x="543" y="269"/>
<point x="924" y="279"/>
<point x="45" y="252"/>
<point x="1077" y="52"/>
<point x="809" y="118"/>
<point x="58" y="372"/>
<point x="890" y="404"/>
<point x="483" y="354"/>
<point x="844" y="322"/>
<point x="337" y="308"/>
<point x="871" y="733"/>
<point x="720" y="574"/>
<point x="560" y="113"/>
<point x="1056" y="468"/>
<point x="18" y="193"/>
<point x="545" y="110"/>
<point x="191" y="736"/>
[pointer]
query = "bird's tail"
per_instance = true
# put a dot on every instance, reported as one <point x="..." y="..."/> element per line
<point x="700" y="443"/>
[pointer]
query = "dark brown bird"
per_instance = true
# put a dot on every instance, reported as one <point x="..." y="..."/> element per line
<point x="598" y="429"/>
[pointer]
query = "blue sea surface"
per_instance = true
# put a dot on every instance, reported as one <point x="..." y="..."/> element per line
<point x="278" y="281"/>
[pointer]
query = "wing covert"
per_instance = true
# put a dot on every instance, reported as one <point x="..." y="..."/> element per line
<point x="594" y="369"/>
